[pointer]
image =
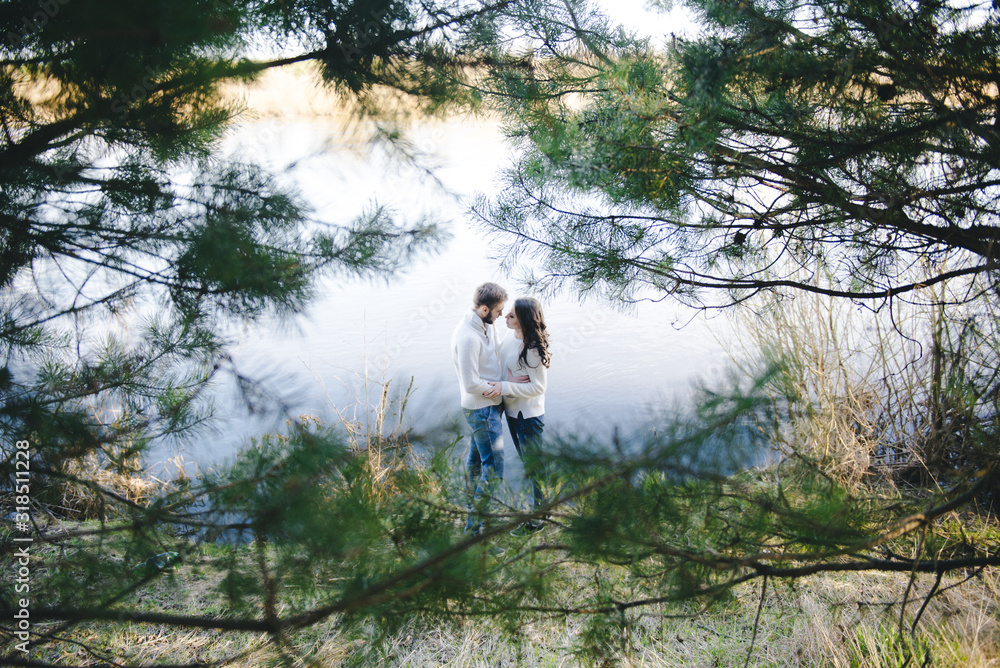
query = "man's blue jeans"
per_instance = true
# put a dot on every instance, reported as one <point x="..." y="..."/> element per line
<point x="485" y="463"/>
<point x="526" y="433"/>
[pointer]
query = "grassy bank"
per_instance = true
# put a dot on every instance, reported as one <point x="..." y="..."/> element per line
<point x="828" y="620"/>
<point x="600" y="586"/>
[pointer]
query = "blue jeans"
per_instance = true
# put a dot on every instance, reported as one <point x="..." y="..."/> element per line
<point x="527" y="436"/>
<point x="485" y="463"/>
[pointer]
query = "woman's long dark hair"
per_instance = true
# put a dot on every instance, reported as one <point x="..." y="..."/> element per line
<point x="529" y="315"/>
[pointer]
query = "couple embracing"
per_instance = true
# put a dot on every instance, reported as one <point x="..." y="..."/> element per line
<point x="502" y="377"/>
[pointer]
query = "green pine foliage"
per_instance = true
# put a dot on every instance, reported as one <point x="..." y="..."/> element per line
<point x="301" y="533"/>
<point x="847" y="148"/>
<point x="128" y="246"/>
<point x="117" y="203"/>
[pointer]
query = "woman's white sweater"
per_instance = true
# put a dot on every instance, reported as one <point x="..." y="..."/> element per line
<point x="523" y="386"/>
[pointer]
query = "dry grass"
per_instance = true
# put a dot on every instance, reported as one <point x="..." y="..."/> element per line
<point x="84" y="494"/>
<point x="861" y="393"/>
<point x="377" y="428"/>
<point x="843" y="621"/>
<point x="829" y="373"/>
<point x="146" y="645"/>
<point x="855" y="621"/>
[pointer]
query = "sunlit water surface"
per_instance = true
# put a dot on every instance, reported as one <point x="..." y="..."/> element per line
<point x="610" y="368"/>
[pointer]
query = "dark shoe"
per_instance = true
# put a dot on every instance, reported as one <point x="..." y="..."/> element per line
<point x="527" y="529"/>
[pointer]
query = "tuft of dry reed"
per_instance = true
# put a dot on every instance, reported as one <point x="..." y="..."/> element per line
<point x="94" y="490"/>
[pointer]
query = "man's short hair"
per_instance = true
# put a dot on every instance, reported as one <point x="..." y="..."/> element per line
<point x="489" y="294"/>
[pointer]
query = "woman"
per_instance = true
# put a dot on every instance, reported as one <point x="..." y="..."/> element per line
<point x="524" y="361"/>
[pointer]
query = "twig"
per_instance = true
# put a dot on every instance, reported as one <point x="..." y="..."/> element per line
<point x="756" y="620"/>
<point x="913" y="578"/>
<point x="927" y="600"/>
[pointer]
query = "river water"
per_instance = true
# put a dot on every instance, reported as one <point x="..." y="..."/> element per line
<point x="610" y="367"/>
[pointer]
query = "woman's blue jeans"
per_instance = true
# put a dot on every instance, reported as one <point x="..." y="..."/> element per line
<point x="485" y="462"/>
<point x="527" y="436"/>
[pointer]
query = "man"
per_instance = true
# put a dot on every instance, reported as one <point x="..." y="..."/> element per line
<point x="474" y="349"/>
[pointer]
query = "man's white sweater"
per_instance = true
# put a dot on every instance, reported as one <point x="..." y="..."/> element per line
<point x="474" y="350"/>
